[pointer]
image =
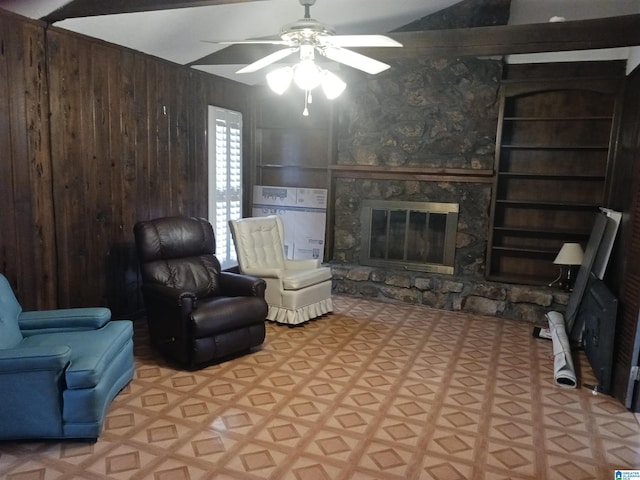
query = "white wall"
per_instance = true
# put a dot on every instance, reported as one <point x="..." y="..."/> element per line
<point x="634" y="59"/>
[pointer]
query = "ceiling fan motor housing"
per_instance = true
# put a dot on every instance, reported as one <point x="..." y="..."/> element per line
<point x="305" y="32"/>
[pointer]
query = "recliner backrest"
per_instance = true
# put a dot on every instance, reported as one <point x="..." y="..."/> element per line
<point x="259" y="242"/>
<point x="179" y="252"/>
<point x="10" y="310"/>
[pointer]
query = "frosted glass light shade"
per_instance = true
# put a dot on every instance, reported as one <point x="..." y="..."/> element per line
<point x="332" y="85"/>
<point x="307" y="75"/>
<point x="280" y="79"/>
<point x="569" y="254"/>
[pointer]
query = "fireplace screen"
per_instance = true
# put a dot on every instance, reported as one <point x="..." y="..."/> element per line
<point x="412" y="235"/>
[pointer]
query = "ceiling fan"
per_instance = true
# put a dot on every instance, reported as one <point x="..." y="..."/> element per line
<point x="308" y="36"/>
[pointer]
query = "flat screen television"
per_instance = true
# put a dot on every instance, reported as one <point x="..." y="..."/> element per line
<point x="597" y="312"/>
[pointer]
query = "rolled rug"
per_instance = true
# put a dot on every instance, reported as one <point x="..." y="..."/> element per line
<point x="563" y="370"/>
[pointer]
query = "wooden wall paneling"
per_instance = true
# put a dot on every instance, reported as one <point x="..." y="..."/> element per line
<point x="198" y="149"/>
<point x="123" y="293"/>
<point x="9" y="259"/>
<point x="81" y="150"/>
<point x="623" y="273"/>
<point x="141" y="149"/>
<point x="103" y="178"/>
<point x="160" y="167"/>
<point x="8" y="237"/>
<point x="180" y="128"/>
<point x="117" y="166"/>
<point x="127" y="143"/>
<point x="120" y="159"/>
<point x="39" y="228"/>
<point x="67" y="74"/>
<point x="27" y="243"/>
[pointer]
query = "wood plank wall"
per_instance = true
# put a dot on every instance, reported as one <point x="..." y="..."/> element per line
<point x="623" y="275"/>
<point x="27" y="237"/>
<point x="128" y="143"/>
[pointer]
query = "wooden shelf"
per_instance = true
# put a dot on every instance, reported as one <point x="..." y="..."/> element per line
<point x="302" y="167"/>
<point x="549" y="176"/>
<point x="550" y="253"/>
<point x="551" y="164"/>
<point x="543" y="231"/>
<point x="521" y="279"/>
<point x="548" y="205"/>
<point x="557" y="119"/>
<point x="555" y="147"/>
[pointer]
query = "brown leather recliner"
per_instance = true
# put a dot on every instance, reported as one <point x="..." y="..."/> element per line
<point x="196" y="313"/>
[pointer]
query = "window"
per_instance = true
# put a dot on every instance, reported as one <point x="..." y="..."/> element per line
<point x="225" y="179"/>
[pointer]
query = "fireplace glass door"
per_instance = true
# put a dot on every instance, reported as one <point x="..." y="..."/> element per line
<point x="412" y="235"/>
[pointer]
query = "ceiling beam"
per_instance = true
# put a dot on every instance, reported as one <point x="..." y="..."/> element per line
<point x="611" y="32"/>
<point x="598" y="33"/>
<point x="92" y="8"/>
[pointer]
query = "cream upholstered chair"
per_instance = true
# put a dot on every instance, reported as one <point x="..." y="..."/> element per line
<point x="297" y="290"/>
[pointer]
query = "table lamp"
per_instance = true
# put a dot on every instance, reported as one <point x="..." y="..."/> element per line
<point x="569" y="258"/>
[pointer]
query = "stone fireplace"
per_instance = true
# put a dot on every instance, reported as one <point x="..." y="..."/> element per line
<point x="422" y="133"/>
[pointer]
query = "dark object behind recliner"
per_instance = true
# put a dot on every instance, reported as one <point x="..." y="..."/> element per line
<point x="196" y="313"/>
<point x="597" y="313"/>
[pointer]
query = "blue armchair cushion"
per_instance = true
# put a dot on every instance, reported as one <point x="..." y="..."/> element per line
<point x="10" y="309"/>
<point x="63" y="320"/>
<point x="91" y="351"/>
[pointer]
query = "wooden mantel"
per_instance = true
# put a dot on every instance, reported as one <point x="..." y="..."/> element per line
<point x="424" y="174"/>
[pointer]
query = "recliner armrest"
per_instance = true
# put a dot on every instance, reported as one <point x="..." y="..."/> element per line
<point x="164" y="293"/>
<point x="64" y="319"/>
<point x="238" y="285"/>
<point x="32" y="359"/>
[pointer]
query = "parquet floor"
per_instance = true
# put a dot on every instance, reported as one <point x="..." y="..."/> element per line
<point x="374" y="391"/>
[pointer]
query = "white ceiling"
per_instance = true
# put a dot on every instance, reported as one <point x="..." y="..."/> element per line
<point x="176" y="35"/>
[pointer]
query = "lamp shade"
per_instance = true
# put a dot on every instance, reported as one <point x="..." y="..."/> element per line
<point x="569" y="254"/>
<point x="332" y="85"/>
<point x="307" y="75"/>
<point x="280" y="79"/>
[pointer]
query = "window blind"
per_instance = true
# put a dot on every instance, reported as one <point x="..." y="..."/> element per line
<point x="225" y="178"/>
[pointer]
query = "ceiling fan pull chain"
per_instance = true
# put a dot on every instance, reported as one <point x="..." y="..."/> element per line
<point x="307" y="95"/>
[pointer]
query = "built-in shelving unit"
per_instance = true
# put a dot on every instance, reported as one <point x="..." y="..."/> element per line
<point x="553" y="146"/>
<point x="292" y="150"/>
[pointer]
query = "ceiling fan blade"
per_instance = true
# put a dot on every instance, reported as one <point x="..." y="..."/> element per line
<point x="362" y="41"/>
<point x="247" y="42"/>
<point x="268" y="60"/>
<point x="355" y="60"/>
<point x="236" y="55"/>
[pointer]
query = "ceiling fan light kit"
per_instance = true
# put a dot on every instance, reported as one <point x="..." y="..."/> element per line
<point x="308" y="36"/>
<point x="332" y="85"/>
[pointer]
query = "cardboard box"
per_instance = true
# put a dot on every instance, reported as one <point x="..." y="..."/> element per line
<point x="304" y="214"/>
<point x="275" y="196"/>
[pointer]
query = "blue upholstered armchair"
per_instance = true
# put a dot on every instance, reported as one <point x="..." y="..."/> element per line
<point x="59" y="369"/>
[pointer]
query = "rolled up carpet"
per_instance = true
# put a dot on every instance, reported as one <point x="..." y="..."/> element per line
<point x="563" y="371"/>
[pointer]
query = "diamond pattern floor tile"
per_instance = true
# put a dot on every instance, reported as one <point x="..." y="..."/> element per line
<point x="374" y="391"/>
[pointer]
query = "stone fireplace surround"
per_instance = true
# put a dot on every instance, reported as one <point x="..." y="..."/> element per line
<point x="425" y="132"/>
<point x="465" y="290"/>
